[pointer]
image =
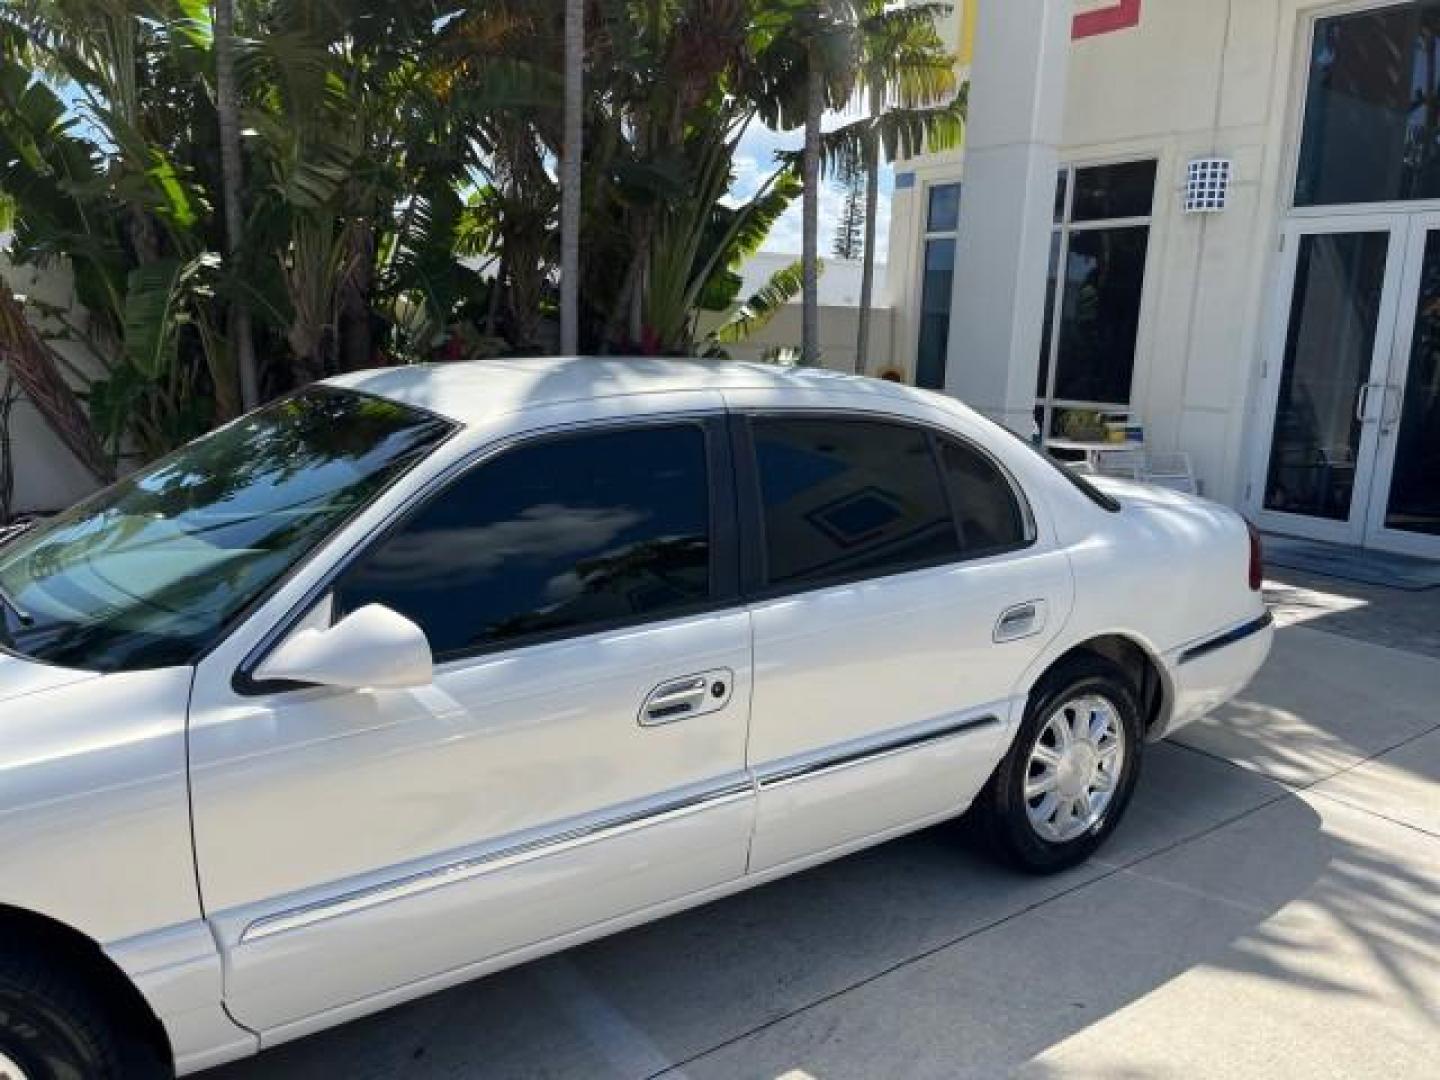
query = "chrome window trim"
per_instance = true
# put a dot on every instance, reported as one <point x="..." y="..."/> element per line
<point x="809" y="766"/>
<point x="501" y="856"/>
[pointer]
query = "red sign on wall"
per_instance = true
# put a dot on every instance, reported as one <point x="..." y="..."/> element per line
<point x="1114" y="15"/>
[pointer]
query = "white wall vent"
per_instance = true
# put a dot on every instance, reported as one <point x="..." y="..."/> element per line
<point x="1207" y="185"/>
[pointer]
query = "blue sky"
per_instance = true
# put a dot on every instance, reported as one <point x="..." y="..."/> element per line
<point x="755" y="160"/>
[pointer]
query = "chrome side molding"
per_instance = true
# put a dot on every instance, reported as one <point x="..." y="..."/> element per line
<point x="501" y="856"/>
<point x="835" y="758"/>
<point x="564" y="837"/>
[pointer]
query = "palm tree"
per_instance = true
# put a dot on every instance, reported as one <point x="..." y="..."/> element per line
<point x="810" y="232"/>
<point x="829" y="31"/>
<point x="570" y="177"/>
<point x="821" y="51"/>
<point x="903" y="64"/>
<point x="227" y="110"/>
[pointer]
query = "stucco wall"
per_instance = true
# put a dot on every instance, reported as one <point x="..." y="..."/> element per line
<point x="1194" y="78"/>
<point x="839" y="334"/>
<point x="47" y="476"/>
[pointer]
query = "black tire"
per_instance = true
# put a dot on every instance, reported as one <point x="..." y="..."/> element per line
<point x="1000" y="809"/>
<point x="55" y="1025"/>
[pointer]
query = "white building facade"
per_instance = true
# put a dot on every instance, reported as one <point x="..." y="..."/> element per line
<point x="1278" y="320"/>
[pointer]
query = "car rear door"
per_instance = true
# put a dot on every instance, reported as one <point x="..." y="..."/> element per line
<point x="578" y="758"/>
<point x="900" y="590"/>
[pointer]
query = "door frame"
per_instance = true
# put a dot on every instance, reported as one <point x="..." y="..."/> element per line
<point x="1378" y="535"/>
<point x="1351" y="530"/>
<point x="448" y="878"/>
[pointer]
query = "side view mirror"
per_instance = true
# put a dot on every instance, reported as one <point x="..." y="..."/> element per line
<point x="370" y="649"/>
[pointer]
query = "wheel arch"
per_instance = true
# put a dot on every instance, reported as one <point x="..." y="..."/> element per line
<point x="1148" y="676"/>
<point x="83" y="957"/>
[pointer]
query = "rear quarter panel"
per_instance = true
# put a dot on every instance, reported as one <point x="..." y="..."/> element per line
<point x="1168" y="566"/>
<point x="1168" y="571"/>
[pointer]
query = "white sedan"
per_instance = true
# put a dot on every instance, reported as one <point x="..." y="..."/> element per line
<point x="425" y="672"/>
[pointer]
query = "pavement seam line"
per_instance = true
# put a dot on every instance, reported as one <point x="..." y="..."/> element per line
<point x="1332" y="797"/>
<point x="1200" y="894"/>
<point x="1113" y="870"/>
<point x="1311" y="786"/>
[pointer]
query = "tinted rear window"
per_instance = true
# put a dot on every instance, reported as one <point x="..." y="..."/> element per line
<point x="987" y="509"/>
<point x="845" y="498"/>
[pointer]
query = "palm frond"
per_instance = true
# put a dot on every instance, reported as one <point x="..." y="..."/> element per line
<point x="767" y="302"/>
<point x="901" y="133"/>
<point x="152" y="301"/>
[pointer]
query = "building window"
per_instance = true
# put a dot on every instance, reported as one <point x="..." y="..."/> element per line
<point x="1092" y="321"/>
<point x="1372" y="108"/>
<point x="942" y="221"/>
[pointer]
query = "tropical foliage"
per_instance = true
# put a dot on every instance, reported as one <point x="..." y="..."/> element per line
<point x="251" y="194"/>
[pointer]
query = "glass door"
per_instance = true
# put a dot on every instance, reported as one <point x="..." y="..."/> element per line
<point x="1404" y="512"/>
<point x="1326" y="374"/>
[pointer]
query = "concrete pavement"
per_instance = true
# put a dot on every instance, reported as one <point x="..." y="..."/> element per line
<point x="1271" y="907"/>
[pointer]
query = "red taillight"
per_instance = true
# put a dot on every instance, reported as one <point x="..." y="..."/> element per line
<point x="1257" y="558"/>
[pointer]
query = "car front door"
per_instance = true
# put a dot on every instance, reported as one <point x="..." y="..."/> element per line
<point x="901" y="591"/>
<point x="578" y="757"/>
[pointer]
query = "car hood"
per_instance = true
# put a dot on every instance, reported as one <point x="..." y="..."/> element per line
<point x="20" y="677"/>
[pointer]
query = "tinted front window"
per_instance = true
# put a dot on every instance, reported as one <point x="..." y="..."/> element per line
<point x="152" y="570"/>
<point x="986" y="509"/>
<point x="848" y="498"/>
<point x="552" y="537"/>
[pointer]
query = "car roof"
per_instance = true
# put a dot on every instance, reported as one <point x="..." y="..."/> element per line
<point x="476" y="391"/>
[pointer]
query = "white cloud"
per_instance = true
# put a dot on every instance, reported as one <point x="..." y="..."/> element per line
<point x="747" y="170"/>
<point x="758" y="149"/>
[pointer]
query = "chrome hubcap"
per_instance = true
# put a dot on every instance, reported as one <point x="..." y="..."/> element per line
<point x="8" y="1069"/>
<point x="1074" y="769"/>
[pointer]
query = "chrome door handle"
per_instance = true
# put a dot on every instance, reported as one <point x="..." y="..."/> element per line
<point x="693" y="695"/>
<point x="1362" y="401"/>
<point x="1021" y="621"/>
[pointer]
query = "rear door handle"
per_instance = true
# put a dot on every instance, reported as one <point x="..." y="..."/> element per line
<point x="1021" y="621"/>
<point x="683" y="698"/>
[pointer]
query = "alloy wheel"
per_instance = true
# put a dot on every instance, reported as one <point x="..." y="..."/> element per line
<point x="1074" y="769"/>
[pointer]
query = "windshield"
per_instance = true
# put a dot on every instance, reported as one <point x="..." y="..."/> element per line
<point x="150" y="572"/>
